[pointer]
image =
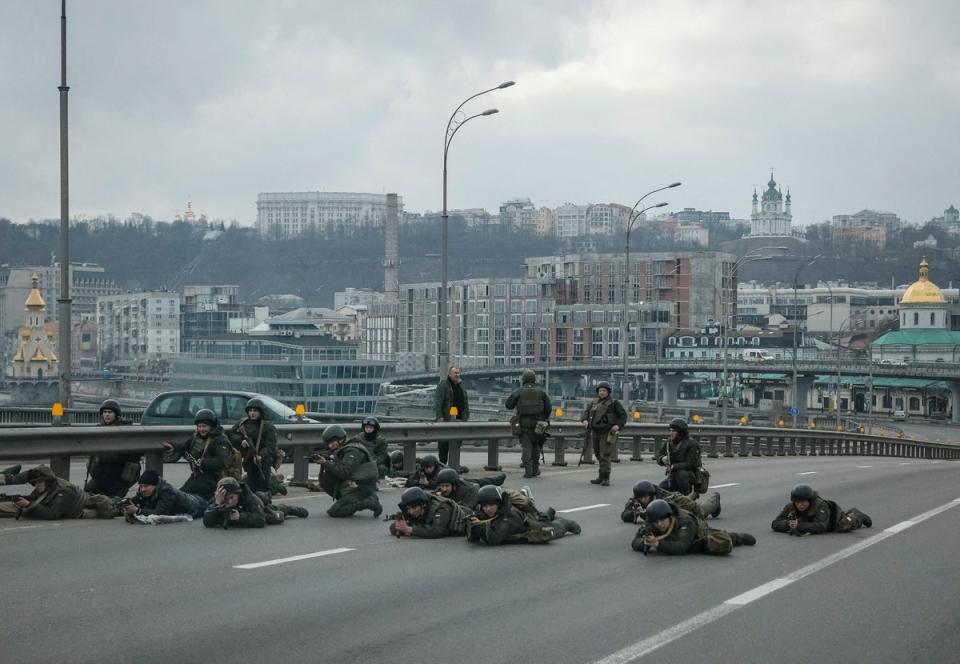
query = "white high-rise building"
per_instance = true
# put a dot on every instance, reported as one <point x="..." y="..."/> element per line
<point x="771" y="215"/>
<point x="289" y="214"/>
<point x="137" y="326"/>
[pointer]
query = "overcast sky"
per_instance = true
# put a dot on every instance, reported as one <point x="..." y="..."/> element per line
<point x="855" y="104"/>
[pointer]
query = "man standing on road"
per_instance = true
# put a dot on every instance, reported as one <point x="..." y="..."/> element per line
<point x="348" y="473"/>
<point x="604" y="418"/>
<point x="256" y="440"/>
<point x="450" y="402"/>
<point x="681" y="457"/>
<point x="809" y="514"/>
<point x="672" y="531"/>
<point x="530" y="421"/>
<point x="112" y="473"/>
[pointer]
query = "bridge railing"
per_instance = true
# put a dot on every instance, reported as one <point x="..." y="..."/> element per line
<point x="58" y="444"/>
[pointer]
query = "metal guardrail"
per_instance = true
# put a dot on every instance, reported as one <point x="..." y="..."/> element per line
<point x="35" y="416"/>
<point x="59" y="444"/>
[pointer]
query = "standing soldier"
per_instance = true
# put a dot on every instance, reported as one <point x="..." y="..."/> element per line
<point x="348" y="474"/>
<point x="531" y="420"/>
<point x="681" y="457"/>
<point x="809" y="514"/>
<point x="256" y="440"/>
<point x="209" y="453"/>
<point x="375" y="443"/>
<point x="112" y="473"/>
<point x="604" y="418"/>
<point x="450" y="394"/>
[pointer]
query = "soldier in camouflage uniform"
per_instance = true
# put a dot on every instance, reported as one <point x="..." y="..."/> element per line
<point x="348" y="473"/>
<point x="429" y="467"/>
<point x="427" y="516"/>
<point x="155" y="495"/>
<point x="809" y="514"/>
<point x="644" y="492"/>
<point x="681" y="457"/>
<point x="234" y="505"/>
<point x="672" y="531"/>
<point x="255" y="438"/>
<point x="451" y="485"/>
<point x="533" y="406"/>
<point x="210" y="455"/>
<point x="375" y="443"/>
<point x="506" y="517"/>
<point x="604" y="418"/>
<point x="112" y="473"/>
<point x="53" y="498"/>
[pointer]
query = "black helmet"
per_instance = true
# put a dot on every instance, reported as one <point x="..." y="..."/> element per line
<point x="802" y="492"/>
<point x="396" y="458"/>
<point x="413" y="496"/>
<point x="370" y="419"/>
<point x="604" y="385"/>
<point x="644" y="488"/>
<point x="111" y="404"/>
<point x="680" y="424"/>
<point x="658" y="509"/>
<point x="205" y="415"/>
<point x="230" y="485"/>
<point x="448" y="475"/>
<point x="333" y="432"/>
<point x="489" y="494"/>
<point x="528" y="376"/>
<point x="429" y="460"/>
<point x="256" y="402"/>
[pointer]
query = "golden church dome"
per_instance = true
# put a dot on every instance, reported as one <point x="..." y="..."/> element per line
<point x="923" y="291"/>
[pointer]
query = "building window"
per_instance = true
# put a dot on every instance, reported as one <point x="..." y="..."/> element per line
<point x="916" y="318"/>
<point x="933" y="318"/>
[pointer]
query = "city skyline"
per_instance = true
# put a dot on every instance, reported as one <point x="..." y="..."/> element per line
<point x="850" y="103"/>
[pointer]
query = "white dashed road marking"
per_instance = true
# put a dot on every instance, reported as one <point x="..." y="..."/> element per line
<point x="580" y="509"/>
<point x="809" y="472"/>
<point x="280" y="561"/>
<point x="864" y="466"/>
<point x="723" y="486"/>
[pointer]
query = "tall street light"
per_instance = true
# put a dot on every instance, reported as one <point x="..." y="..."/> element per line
<point x="796" y="277"/>
<point x="64" y="301"/>
<point x="457" y="120"/>
<point x="624" y="327"/>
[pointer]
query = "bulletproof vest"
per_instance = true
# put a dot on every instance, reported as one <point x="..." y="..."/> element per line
<point x="530" y="401"/>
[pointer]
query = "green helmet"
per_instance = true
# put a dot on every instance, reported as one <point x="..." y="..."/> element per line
<point x="40" y="473"/>
<point x="658" y="509"/>
<point x="644" y="488"/>
<point x="205" y="416"/>
<point x="111" y="404"/>
<point x="333" y="432"/>
<point x="489" y="494"/>
<point x="429" y="460"/>
<point x="802" y="492"/>
<point x="528" y="376"/>
<point x="230" y="485"/>
<point x="680" y="424"/>
<point x="257" y="402"/>
<point x="412" y="497"/>
<point x="604" y="385"/>
<point x="448" y="476"/>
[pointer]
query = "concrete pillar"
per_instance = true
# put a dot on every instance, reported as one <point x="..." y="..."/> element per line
<point x="637" y="441"/>
<point x="955" y="400"/>
<point x="493" y="455"/>
<point x="804" y="386"/>
<point x="671" y="385"/>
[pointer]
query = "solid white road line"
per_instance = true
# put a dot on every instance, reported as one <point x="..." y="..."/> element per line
<point x="723" y="486"/>
<point x="280" y="561"/>
<point x="864" y="466"/>
<point x="906" y="463"/>
<point x="646" y="646"/>
<point x="809" y="472"/>
<point x="580" y="509"/>
<point x="47" y="524"/>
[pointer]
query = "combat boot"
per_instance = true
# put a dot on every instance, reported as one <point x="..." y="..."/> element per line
<point x="598" y="479"/>
<point x="743" y="539"/>
<point x="7" y="473"/>
<point x="536" y="470"/>
<point x="716" y="512"/>
<point x="373" y="503"/>
<point x="864" y="519"/>
<point x="605" y="479"/>
<point x="528" y="471"/>
<point x="299" y="512"/>
<point x="572" y="526"/>
<point x="550" y="514"/>
<point x="499" y="479"/>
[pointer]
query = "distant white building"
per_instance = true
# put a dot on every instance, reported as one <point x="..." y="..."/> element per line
<point x="570" y="220"/>
<point x="289" y="214"/>
<point x="771" y="215"/>
<point x="133" y="326"/>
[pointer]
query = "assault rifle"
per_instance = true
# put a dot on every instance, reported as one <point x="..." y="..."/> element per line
<point x="10" y="498"/>
<point x="224" y="511"/>
<point x="643" y="533"/>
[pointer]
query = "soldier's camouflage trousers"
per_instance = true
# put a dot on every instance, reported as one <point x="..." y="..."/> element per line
<point x="604" y="449"/>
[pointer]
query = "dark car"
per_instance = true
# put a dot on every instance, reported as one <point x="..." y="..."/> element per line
<point x="179" y="407"/>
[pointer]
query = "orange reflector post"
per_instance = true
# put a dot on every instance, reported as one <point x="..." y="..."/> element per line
<point x="57" y="409"/>
<point x="559" y="412"/>
<point x="636" y="415"/>
<point x="300" y="410"/>
<point x="453" y="411"/>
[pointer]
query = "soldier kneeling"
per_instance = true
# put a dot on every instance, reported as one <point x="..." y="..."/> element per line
<point x="809" y="514"/>
<point x="675" y="532"/>
<point x="428" y="516"/>
<point x="644" y="492"/>
<point x="508" y="516"/>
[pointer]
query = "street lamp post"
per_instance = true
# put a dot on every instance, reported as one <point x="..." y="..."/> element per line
<point x="796" y="277"/>
<point x="64" y="302"/>
<point x="453" y="126"/>
<point x="634" y="215"/>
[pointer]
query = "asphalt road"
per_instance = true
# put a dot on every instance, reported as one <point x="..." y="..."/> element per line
<point x="105" y="591"/>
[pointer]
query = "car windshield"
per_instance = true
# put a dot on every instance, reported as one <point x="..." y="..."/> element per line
<point x="277" y="409"/>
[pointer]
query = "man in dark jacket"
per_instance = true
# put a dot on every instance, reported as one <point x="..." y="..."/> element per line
<point x="809" y="514"/>
<point x="427" y="516"/>
<point x="157" y="496"/>
<point x="680" y="454"/>
<point x="645" y="492"/>
<point x="507" y="516"/>
<point x="348" y="473"/>
<point x="255" y="439"/>
<point x="209" y="453"/>
<point x="531" y="419"/>
<point x="375" y="443"/>
<point x="53" y="498"/>
<point x="604" y="418"/>
<point x="234" y="506"/>
<point x="672" y="531"/>
<point x="112" y="473"/>
<point x="450" y="402"/>
<point x="429" y="468"/>
<point x="451" y="485"/>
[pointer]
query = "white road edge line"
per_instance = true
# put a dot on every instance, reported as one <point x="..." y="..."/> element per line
<point x="580" y="509"/>
<point x="809" y="472"/>
<point x="646" y="646"/>
<point x="864" y="466"/>
<point x="280" y="561"/>
<point x="723" y="486"/>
